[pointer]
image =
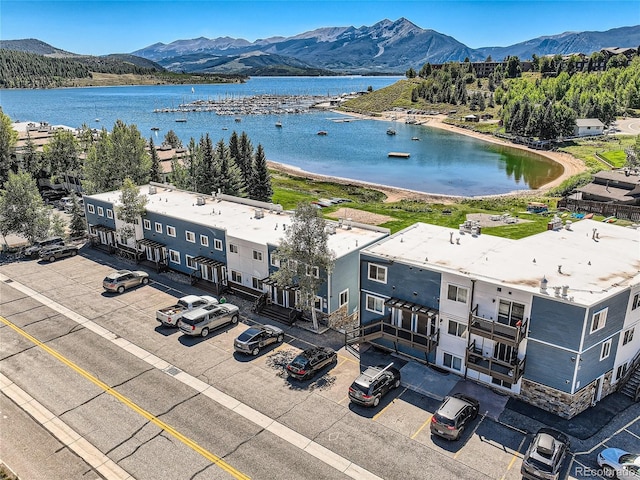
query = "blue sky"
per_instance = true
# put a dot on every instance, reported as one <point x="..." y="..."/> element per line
<point x="98" y="27"/>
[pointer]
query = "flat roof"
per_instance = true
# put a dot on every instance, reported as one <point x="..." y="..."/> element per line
<point x="592" y="268"/>
<point x="239" y="220"/>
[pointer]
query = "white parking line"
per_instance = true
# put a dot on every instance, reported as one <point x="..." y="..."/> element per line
<point x="294" y="438"/>
<point x="612" y="435"/>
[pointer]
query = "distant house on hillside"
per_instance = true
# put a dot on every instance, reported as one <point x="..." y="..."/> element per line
<point x="586" y="127"/>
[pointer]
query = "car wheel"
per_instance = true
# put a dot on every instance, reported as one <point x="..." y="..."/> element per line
<point x="255" y="351"/>
<point x="397" y="383"/>
<point x="74" y="253"/>
<point x="52" y="258"/>
<point x="145" y="280"/>
<point x="204" y="332"/>
<point x="376" y="401"/>
<point x="460" y="430"/>
<point x="475" y="415"/>
<point x="121" y="289"/>
<point x="234" y="319"/>
<point x="608" y="472"/>
<point x="280" y="338"/>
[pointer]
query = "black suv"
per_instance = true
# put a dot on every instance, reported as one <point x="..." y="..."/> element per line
<point x="545" y="455"/>
<point x="309" y="362"/>
<point x="373" y="383"/>
<point x="34" y="250"/>
<point x="453" y="415"/>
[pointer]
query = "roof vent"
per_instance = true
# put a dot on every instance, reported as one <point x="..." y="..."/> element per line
<point x="200" y="200"/>
<point x="543" y="285"/>
<point x="565" y="290"/>
<point x="556" y="291"/>
<point x="258" y="214"/>
<point x="331" y="229"/>
<point x="152" y="190"/>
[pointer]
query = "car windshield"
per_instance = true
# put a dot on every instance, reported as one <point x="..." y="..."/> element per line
<point x="628" y="458"/>
<point x="300" y="362"/>
<point x="109" y="279"/>
<point x="248" y="335"/>
<point x="444" y="420"/>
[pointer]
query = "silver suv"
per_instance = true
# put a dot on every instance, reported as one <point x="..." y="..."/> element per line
<point x="202" y="320"/>
<point x="454" y="414"/>
<point x="122" y="279"/>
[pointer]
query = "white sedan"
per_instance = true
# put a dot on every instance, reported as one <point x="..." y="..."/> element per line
<point x="617" y="462"/>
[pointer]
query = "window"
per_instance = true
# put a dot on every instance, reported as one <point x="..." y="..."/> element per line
<point x="92" y="209"/>
<point x="190" y="262"/>
<point x="636" y="301"/>
<point x="598" y="320"/>
<point x="174" y="256"/>
<point x="344" y="297"/>
<point x="204" y="241"/>
<point x="375" y="304"/>
<point x="101" y="211"/>
<point x="109" y="213"/>
<point x="158" y="227"/>
<point x="457" y="294"/>
<point x="171" y="231"/>
<point x="233" y="248"/>
<point x="217" y="244"/>
<point x="256" y="283"/>
<point x="622" y="369"/>
<point x="274" y="261"/>
<point x="377" y="273"/>
<point x="458" y="329"/>
<point x="628" y="336"/>
<point x="257" y="255"/>
<point x="501" y="383"/>
<point x="236" y="276"/>
<point x="606" y="350"/>
<point x="190" y="236"/>
<point x="312" y="271"/>
<point x="452" y="361"/>
<point x="147" y="224"/>
<point x="510" y="313"/>
<point x="317" y="303"/>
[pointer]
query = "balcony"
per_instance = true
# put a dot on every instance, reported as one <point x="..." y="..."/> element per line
<point x="383" y="328"/>
<point x="507" y="371"/>
<point x="497" y="331"/>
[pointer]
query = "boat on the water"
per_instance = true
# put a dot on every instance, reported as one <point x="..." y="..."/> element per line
<point x="155" y="129"/>
<point x="391" y="131"/>
<point x="279" y="124"/>
<point x="181" y="120"/>
<point x="322" y="132"/>
<point x="399" y="154"/>
<point x="415" y="139"/>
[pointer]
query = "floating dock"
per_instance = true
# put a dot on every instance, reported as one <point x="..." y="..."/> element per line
<point x="399" y="154"/>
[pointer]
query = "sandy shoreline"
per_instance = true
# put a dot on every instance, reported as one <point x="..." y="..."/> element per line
<point x="571" y="165"/>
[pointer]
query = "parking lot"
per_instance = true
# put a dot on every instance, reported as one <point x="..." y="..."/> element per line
<point x="492" y="447"/>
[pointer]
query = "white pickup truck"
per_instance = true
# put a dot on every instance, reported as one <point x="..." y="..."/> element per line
<point x="169" y="316"/>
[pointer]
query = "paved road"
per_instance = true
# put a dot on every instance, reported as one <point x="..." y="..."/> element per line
<point x="212" y="413"/>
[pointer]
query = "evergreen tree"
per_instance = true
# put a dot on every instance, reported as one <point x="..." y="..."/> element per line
<point x="245" y="157"/>
<point x="8" y="140"/>
<point x="172" y="139"/>
<point x="230" y="179"/>
<point x="234" y="147"/>
<point x="57" y="226"/>
<point x="154" y="172"/>
<point x="260" y="185"/>
<point x="77" y="225"/>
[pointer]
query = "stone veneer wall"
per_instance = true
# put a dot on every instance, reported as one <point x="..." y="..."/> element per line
<point x="339" y="318"/>
<point x="562" y="404"/>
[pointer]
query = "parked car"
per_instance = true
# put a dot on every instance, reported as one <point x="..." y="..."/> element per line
<point x="617" y="462"/>
<point x="543" y="459"/>
<point x="33" y="251"/>
<point x="50" y="195"/>
<point x="453" y="416"/>
<point x="65" y="202"/>
<point x="169" y="316"/>
<point x="54" y="252"/>
<point x="372" y="384"/>
<point x="254" y="339"/>
<point x="122" y="279"/>
<point x="310" y="362"/>
<point x="204" y="319"/>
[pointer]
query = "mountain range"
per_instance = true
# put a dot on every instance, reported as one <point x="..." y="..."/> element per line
<point x="387" y="46"/>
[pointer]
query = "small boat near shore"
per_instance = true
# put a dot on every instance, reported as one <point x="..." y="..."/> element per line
<point x="399" y="155"/>
<point x="279" y="124"/>
<point x="155" y="129"/>
<point x="181" y="120"/>
<point x="322" y="132"/>
<point x="391" y="131"/>
<point x="415" y="139"/>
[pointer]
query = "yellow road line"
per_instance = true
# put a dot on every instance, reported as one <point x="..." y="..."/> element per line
<point x="159" y="423"/>
<point x="421" y="427"/>
<point x="346" y="397"/>
<point x="349" y="359"/>
<point x="513" y="459"/>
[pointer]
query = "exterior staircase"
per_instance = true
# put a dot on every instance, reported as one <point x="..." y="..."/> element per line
<point x="630" y="383"/>
<point x="285" y="315"/>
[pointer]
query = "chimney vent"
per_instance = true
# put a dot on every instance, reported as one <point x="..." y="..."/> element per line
<point x="565" y="289"/>
<point x="543" y="285"/>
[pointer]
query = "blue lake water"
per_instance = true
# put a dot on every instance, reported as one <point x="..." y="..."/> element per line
<point x="441" y="162"/>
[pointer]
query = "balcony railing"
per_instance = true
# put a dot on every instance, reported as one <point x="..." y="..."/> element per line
<point x="383" y="328"/>
<point x="507" y="371"/>
<point x="497" y="331"/>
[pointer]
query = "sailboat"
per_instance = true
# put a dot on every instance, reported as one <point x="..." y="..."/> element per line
<point x="97" y="119"/>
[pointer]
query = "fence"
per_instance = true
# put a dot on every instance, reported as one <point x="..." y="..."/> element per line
<point x="623" y="212"/>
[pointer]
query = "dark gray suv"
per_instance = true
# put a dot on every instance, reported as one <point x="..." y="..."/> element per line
<point x="544" y="457"/>
<point x="455" y="413"/>
<point x="373" y="383"/>
<point x="34" y="250"/>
